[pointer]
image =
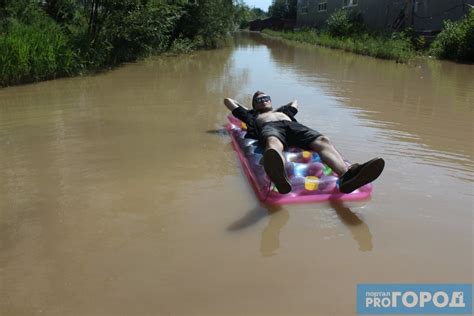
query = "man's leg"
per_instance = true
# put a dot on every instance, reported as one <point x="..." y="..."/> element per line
<point x="351" y="178"/>
<point x="302" y="136"/>
<point x="274" y="163"/>
<point x="274" y="143"/>
<point x="329" y="155"/>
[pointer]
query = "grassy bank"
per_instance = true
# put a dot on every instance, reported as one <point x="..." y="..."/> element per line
<point x="34" y="52"/>
<point x="47" y="39"/>
<point x="348" y="32"/>
<point x="400" y="49"/>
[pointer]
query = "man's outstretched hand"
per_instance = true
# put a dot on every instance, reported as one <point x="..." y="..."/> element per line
<point x="294" y="103"/>
<point x="232" y="104"/>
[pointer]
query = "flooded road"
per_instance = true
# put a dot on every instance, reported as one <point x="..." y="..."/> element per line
<point x="121" y="195"/>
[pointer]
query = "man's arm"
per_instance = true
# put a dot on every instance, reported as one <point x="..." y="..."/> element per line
<point x="289" y="109"/>
<point x="293" y="103"/>
<point x="232" y="104"/>
<point x="238" y="110"/>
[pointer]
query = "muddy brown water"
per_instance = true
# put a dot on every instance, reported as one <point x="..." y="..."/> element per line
<point x="120" y="194"/>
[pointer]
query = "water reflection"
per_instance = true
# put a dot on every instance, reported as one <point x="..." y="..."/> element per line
<point x="249" y="218"/>
<point x="278" y="217"/>
<point x="359" y="230"/>
<point x="270" y="241"/>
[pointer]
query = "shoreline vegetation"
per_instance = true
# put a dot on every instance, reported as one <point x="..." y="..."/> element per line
<point x="398" y="49"/>
<point x="47" y="39"/>
<point x="347" y="32"/>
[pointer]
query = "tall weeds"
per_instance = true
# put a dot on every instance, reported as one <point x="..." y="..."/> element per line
<point x="456" y="41"/>
<point x="34" y="52"/>
<point x="46" y="39"/>
<point x="397" y="48"/>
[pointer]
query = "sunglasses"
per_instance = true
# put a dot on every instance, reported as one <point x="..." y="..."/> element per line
<point x="262" y="99"/>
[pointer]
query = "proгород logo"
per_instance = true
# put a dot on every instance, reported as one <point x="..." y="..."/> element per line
<point x="414" y="299"/>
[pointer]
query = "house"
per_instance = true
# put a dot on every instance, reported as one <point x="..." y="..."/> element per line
<point x="422" y="15"/>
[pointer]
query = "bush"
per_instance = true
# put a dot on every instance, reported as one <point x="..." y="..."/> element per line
<point x="134" y="31"/>
<point x="34" y="52"/>
<point x="343" y="23"/>
<point x="399" y="47"/>
<point x="456" y="40"/>
<point x="184" y="45"/>
<point x="38" y="38"/>
<point x="207" y="21"/>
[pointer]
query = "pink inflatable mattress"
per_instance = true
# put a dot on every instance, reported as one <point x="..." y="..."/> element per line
<point x="311" y="180"/>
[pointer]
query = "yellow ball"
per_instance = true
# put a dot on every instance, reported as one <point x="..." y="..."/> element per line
<point x="311" y="183"/>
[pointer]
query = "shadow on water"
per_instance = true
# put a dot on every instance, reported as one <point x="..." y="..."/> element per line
<point x="218" y="132"/>
<point x="359" y="230"/>
<point x="278" y="217"/>
<point x="253" y="216"/>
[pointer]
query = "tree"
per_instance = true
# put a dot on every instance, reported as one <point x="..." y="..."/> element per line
<point x="244" y="14"/>
<point x="284" y="9"/>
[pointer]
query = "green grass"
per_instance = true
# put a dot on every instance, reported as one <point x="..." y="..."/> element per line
<point x="34" y="52"/>
<point x="456" y="41"/>
<point x="398" y="48"/>
<point x="39" y="42"/>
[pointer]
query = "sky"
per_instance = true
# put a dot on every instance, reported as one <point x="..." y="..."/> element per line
<point x="262" y="4"/>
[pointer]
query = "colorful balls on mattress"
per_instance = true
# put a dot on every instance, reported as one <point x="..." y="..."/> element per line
<point x="327" y="170"/>
<point x="300" y="169"/>
<point x="315" y="169"/>
<point x="316" y="157"/>
<point x="328" y="184"/>
<point x="290" y="157"/>
<point x="300" y="157"/>
<point x="297" y="184"/>
<point x="306" y="157"/>
<point x="304" y="185"/>
<point x="311" y="183"/>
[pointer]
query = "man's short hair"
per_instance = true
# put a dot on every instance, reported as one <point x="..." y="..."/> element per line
<point x="255" y="95"/>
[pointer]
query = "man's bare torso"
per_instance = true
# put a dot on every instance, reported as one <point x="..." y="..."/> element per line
<point x="272" y="116"/>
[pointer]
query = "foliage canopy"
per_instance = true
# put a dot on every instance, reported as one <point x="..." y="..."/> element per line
<point x="48" y="38"/>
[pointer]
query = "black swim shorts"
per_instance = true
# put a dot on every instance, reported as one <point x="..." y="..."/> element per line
<point x="289" y="133"/>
